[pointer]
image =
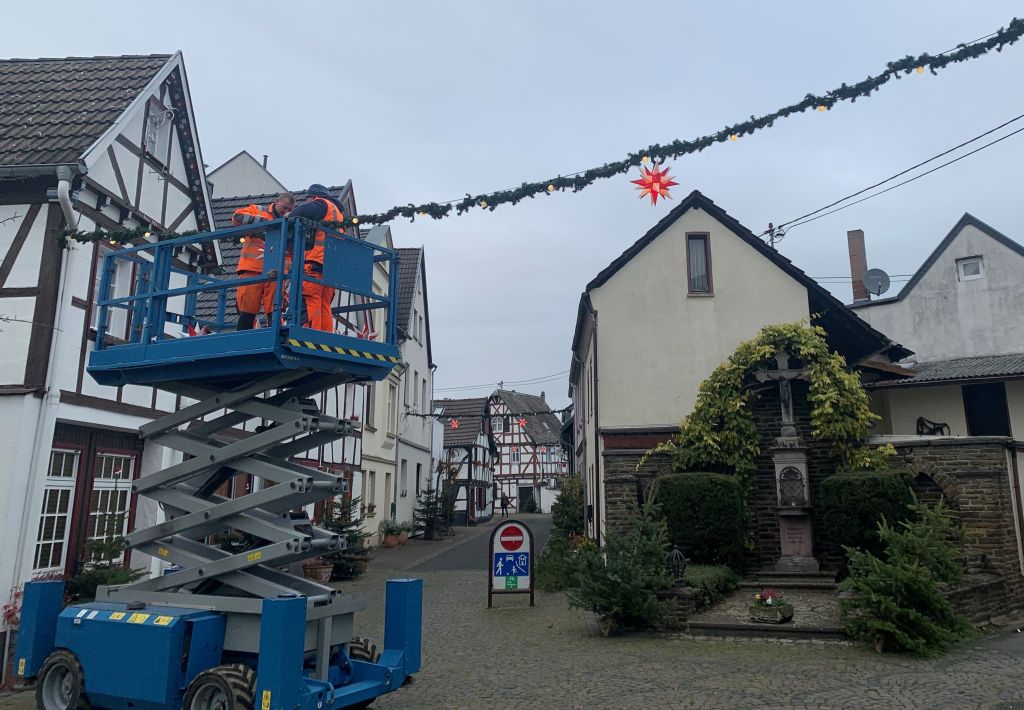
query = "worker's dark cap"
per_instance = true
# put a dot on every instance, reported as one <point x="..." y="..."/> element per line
<point x="318" y="190"/>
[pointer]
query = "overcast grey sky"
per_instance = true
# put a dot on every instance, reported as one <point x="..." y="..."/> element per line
<point x="418" y="101"/>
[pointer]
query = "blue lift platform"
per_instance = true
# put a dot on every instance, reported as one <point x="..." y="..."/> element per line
<point x="230" y="629"/>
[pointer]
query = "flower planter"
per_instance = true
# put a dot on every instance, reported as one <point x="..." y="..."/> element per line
<point x="390" y="541"/>
<point x="774" y="614"/>
<point x="318" y="572"/>
<point x="403" y="537"/>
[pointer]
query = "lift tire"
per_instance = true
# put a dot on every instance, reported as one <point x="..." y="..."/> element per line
<point x="228" y="687"/>
<point x="60" y="684"/>
<point x="361" y="649"/>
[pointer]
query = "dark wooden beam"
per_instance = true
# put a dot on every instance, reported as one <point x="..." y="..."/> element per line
<point x="117" y="173"/>
<point x="106" y="405"/>
<point x="19" y="241"/>
<point x="45" y="314"/>
<point x="19" y="292"/>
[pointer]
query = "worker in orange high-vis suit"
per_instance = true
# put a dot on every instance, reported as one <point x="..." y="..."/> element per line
<point x="254" y="297"/>
<point x="320" y="205"/>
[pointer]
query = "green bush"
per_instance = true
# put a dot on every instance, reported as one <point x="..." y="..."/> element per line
<point x="559" y="563"/>
<point x="567" y="510"/>
<point x="895" y="602"/>
<point x="82" y="586"/>
<point x="712" y="583"/>
<point x="706" y="516"/>
<point x="618" y="583"/>
<point x="855" y="502"/>
<point x="529" y="505"/>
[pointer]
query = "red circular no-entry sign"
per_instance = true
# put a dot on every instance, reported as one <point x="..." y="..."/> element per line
<point x="512" y="538"/>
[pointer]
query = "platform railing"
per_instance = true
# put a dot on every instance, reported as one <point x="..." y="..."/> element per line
<point x="164" y="291"/>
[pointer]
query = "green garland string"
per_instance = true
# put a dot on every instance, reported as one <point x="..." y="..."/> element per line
<point x="1005" y="36"/>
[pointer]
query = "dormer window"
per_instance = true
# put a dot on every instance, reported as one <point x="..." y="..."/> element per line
<point x="496" y="426"/>
<point x="970" y="268"/>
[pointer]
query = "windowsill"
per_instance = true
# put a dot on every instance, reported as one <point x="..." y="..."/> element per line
<point x="369" y="427"/>
<point x="700" y="295"/>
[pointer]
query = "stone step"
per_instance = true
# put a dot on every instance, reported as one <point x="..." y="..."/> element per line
<point x="774" y="631"/>
<point x="790" y="581"/>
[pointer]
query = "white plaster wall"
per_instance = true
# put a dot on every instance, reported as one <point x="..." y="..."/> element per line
<point x="943" y="317"/>
<point x="25" y="272"/>
<point x="943" y="404"/>
<point x="15" y="335"/>
<point x="656" y="344"/>
<point x="1015" y="403"/>
<point x="243" y="175"/>
<point x="20" y="413"/>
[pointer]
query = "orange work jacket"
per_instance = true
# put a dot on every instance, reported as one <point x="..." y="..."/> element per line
<point x="251" y="258"/>
<point x="316" y="253"/>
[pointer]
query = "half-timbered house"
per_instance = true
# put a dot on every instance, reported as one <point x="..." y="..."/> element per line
<point x="466" y="469"/>
<point x="106" y="142"/>
<point x="531" y="458"/>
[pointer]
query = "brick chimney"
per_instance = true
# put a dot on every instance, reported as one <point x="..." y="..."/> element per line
<point x="858" y="263"/>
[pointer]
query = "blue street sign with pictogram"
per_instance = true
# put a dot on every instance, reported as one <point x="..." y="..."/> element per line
<point x="510" y="564"/>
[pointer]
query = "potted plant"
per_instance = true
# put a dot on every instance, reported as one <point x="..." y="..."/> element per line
<point x="317" y="569"/>
<point x="770" y="607"/>
<point x="404" y="534"/>
<point x="389" y="532"/>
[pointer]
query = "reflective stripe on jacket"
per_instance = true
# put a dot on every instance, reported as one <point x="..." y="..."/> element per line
<point x="251" y="258"/>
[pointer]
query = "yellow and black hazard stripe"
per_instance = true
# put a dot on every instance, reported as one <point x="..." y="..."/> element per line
<point x="323" y="347"/>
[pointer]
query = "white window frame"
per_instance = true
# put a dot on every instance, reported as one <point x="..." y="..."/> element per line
<point x="403" y="479"/>
<point x="497" y="426"/>
<point x="108" y="487"/>
<point x="392" y="409"/>
<point x="117" y="318"/>
<point x="62" y="486"/>
<point x="969" y="260"/>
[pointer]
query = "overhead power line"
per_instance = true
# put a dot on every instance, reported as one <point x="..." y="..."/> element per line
<point x="774" y="232"/>
<point x="531" y="381"/>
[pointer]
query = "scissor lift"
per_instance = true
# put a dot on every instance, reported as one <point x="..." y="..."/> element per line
<point x="229" y="629"/>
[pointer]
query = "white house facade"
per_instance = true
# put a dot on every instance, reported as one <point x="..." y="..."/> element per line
<point x="111" y="143"/>
<point x="962" y="313"/>
<point x="659" y="319"/>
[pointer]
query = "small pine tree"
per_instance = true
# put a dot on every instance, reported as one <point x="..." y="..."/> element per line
<point x="567" y="510"/>
<point x="343" y="518"/>
<point x="897" y="604"/>
<point x="618" y="583"/>
<point x="427" y="517"/>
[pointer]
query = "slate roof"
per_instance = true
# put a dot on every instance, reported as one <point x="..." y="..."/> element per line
<point x="223" y="208"/>
<point x="846" y="333"/>
<point x="967" y="220"/>
<point x="984" y="367"/>
<point x="541" y="428"/>
<point x="470" y="415"/>
<point x="408" y="267"/>
<point x="52" y="110"/>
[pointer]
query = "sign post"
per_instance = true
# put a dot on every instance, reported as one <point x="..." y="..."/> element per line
<point x="511" y="560"/>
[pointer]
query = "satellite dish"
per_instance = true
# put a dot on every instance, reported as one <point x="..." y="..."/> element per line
<point x="876" y="281"/>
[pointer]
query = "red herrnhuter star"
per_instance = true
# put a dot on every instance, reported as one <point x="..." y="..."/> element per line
<point x="654" y="182"/>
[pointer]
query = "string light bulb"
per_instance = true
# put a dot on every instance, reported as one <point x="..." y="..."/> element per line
<point x="551" y="188"/>
<point x="645" y="159"/>
<point x="147" y="235"/>
<point x="113" y="242"/>
<point x="733" y="137"/>
<point x="355" y="220"/>
<point x="822" y="107"/>
<point x="920" y="70"/>
<point x="241" y="240"/>
<point x="421" y="214"/>
<point x="483" y="203"/>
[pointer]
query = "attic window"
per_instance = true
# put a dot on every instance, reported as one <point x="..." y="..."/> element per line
<point x="970" y="268"/>
<point x="698" y="264"/>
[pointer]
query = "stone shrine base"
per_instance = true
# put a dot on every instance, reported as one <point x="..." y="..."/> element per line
<point x="815" y="616"/>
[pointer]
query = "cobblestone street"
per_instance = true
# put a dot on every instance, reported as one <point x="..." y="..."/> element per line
<point x="547" y="657"/>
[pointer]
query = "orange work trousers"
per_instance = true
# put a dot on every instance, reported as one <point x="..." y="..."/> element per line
<point x="253" y="297"/>
<point x="317" y="301"/>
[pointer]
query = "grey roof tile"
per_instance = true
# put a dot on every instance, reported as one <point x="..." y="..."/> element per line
<point x="541" y="428"/>
<point x="408" y="267"/>
<point x="470" y="415"/>
<point x="963" y="368"/>
<point x="52" y="110"/>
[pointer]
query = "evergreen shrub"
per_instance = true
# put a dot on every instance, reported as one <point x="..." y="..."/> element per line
<point x="895" y="601"/>
<point x="712" y="583"/>
<point x="854" y="503"/>
<point x="567" y="510"/>
<point x="706" y="516"/>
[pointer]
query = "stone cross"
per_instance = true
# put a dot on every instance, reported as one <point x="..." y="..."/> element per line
<point x="783" y="375"/>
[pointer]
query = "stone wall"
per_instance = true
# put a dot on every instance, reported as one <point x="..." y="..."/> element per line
<point x="624" y="486"/>
<point x="973" y="475"/>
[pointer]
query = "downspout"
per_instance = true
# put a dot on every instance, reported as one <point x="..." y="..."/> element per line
<point x="64" y="177"/>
